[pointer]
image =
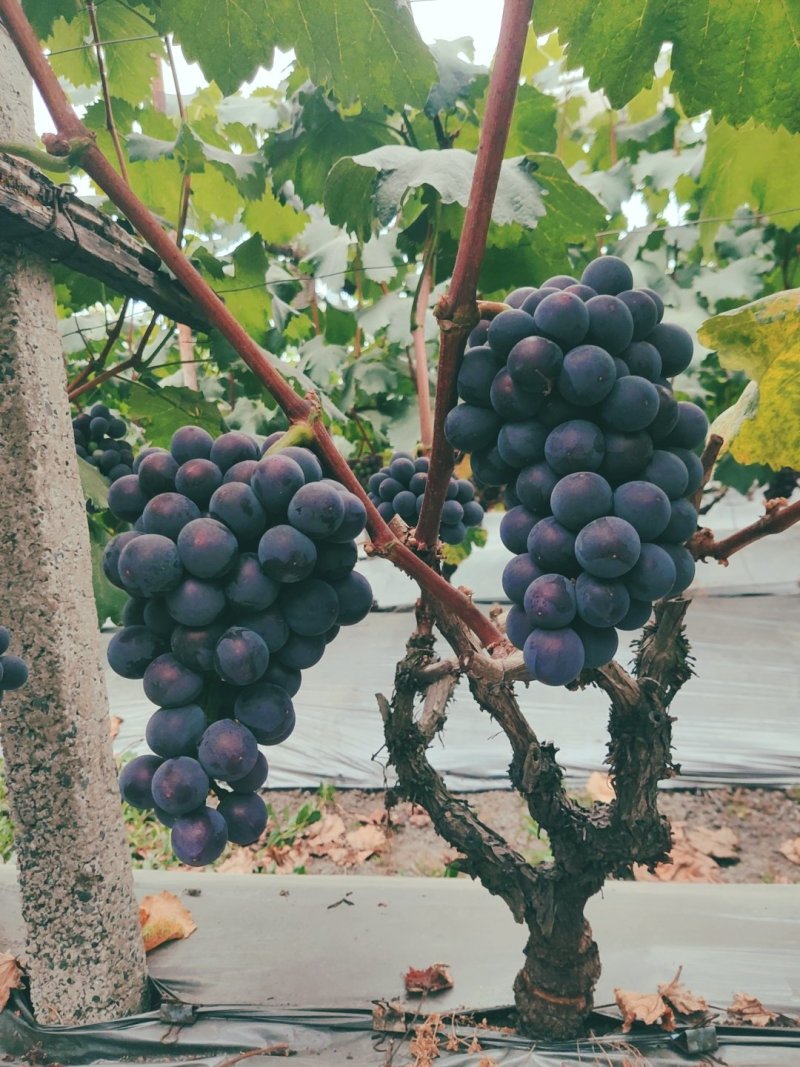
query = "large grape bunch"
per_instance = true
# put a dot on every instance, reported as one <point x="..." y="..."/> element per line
<point x="240" y="572"/>
<point x="99" y="439"/>
<point x="399" y="489"/>
<point x="13" y="669"/>
<point x="567" y="401"/>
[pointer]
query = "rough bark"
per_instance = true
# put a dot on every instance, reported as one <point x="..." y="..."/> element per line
<point x="553" y="991"/>
<point x="84" y="951"/>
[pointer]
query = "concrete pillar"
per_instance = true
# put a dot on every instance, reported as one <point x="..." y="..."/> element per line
<point x="84" y="949"/>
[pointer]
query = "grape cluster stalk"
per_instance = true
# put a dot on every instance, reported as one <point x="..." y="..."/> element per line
<point x="99" y="439"/>
<point x="399" y="489"/>
<point x="13" y="669"/>
<point x="567" y="402"/>
<point x="240" y="572"/>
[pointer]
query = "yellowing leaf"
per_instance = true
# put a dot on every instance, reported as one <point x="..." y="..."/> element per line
<point x="10" y="977"/>
<point x="763" y="340"/>
<point x="647" y="1008"/>
<point x="162" y="918"/>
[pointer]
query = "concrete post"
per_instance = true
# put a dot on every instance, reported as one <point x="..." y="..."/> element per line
<point x="84" y="950"/>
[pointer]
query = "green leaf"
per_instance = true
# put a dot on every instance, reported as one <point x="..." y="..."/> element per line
<point x="739" y="59"/>
<point x="319" y="137"/>
<point x="340" y="326"/>
<point x="533" y="123"/>
<point x="109" y="601"/>
<point x="457" y="73"/>
<point x="128" y="56"/>
<point x="244" y="170"/>
<point x="276" y="222"/>
<point x="160" y="412"/>
<point x="388" y="173"/>
<point x="367" y="50"/>
<point x="763" y="340"/>
<point x="94" y="485"/>
<point x="751" y="165"/>
<point x="230" y="40"/>
<point x="245" y="289"/>
<point x="43" y="14"/>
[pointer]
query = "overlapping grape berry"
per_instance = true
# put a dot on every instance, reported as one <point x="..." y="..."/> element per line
<point x="399" y="489"/>
<point x="99" y="439"/>
<point x="567" y="402"/>
<point x="13" y="670"/>
<point x="240" y="572"/>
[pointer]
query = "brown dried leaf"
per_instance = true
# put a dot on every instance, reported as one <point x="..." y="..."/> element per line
<point x="321" y="835"/>
<point x="791" y="849"/>
<point x="240" y="861"/>
<point x="163" y="917"/>
<point x="285" y="857"/>
<point x="682" y="1001"/>
<point x="433" y="979"/>
<point x="599" y="787"/>
<point x="688" y="863"/>
<point x="750" y="1010"/>
<point x="647" y="1008"/>
<point x="722" y="844"/>
<point x="10" y="977"/>
<point x="114" y="723"/>
<point x="366" y="840"/>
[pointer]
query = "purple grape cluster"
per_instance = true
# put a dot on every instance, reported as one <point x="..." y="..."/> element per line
<point x="13" y="670"/>
<point x="399" y="489"/>
<point x="240" y="572"/>
<point x="567" y="402"/>
<point x="99" y="439"/>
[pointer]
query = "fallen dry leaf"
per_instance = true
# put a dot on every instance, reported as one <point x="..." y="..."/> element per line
<point x="240" y="861"/>
<point x="791" y="849"/>
<point x="10" y="977"/>
<point x="327" y="831"/>
<point x="722" y="844"/>
<point x="366" y="839"/>
<point x="647" y="1008"/>
<point x="682" y="1001"/>
<point x="750" y="1011"/>
<point x="688" y="864"/>
<point x="286" y="858"/>
<point x="114" y="723"/>
<point x="599" y="787"/>
<point x="163" y="917"/>
<point x="433" y="979"/>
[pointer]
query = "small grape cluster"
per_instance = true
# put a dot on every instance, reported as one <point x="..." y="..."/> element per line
<point x="13" y="670"/>
<point x="240" y="572"/>
<point x="567" y="402"/>
<point x="365" y="466"/>
<point x="399" y="489"/>
<point x="99" y="439"/>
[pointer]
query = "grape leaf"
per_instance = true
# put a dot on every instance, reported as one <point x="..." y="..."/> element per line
<point x="752" y="165"/>
<point x="43" y="14"/>
<point x="276" y="222"/>
<point x="94" y="485"/>
<point x="763" y="340"/>
<point x="242" y="169"/>
<point x="457" y="73"/>
<point x="109" y="600"/>
<point x="160" y="412"/>
<point x="376" y="183"/>
<point x="128" y="57"/>
<point x="230" y="40"/>
<point x="367" y="50"/>
<point x="725" y="57"/>
<point x="319" y="137"/>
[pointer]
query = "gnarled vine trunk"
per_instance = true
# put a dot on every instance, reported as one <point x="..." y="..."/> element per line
<point x="553" y="991"/>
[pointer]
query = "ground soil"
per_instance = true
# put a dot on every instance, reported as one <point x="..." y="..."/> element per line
<point x="762" y="821"/>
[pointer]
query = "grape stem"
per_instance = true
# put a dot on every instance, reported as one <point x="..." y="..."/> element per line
<point x="779" y="516"/>
<point x="300" y="433"/>
<point x="457" y="312"/>
<point x="71" y="132"/>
